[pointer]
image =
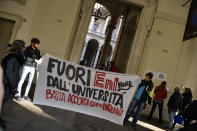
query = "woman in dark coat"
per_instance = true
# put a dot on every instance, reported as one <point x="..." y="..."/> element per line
<point x="187" y="98"/>
<point x="11" y="65"/>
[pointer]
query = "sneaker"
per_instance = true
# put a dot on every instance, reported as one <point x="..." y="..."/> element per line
<point x="18" y="98"/>
<point x="133" y="126"/>
<point x="27" y="98"/>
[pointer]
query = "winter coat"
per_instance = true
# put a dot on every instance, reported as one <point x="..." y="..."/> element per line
<point x="11" y="65"/>
<point x="190" y="112"/>
<point x="146" y="92"/>
<point x="160" y="93"/>
<point x="175" y="101"/>
<point x="31" y="55"/>
<point x="187" y="99"/>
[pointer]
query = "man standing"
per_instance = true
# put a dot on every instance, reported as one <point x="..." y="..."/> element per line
<point x="144" y="93"/>
<point x="32" y="53"/>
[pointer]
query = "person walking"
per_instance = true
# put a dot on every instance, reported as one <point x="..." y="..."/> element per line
<point x="11" y="65"/>
<point x="32" y="53"/>
<point x="143" y="94"/>
<point x="174" y="103"/>
<point x="160" y="94"/>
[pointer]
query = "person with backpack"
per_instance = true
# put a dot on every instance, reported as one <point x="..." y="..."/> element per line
<point x="11" y="65"/>
<point x="160" y="94"/>
<point x="174" y="103"/>
<point x="144" y="93"/>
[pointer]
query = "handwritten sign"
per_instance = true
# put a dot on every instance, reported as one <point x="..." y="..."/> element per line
<point x="65" y="85"/>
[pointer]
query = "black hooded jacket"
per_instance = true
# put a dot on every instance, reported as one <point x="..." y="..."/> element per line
<point x="11" y="64"/>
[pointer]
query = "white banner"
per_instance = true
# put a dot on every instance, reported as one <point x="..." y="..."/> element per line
<point x="65" y="85"/>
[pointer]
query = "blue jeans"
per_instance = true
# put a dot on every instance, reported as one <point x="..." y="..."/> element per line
<point x="132" y="107"/>
<point x="171" y="114"/>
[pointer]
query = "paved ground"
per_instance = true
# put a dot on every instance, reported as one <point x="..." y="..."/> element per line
<point x="25" y="116"/>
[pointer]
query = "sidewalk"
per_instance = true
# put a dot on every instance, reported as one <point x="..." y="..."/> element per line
<point x="25" y="116"/>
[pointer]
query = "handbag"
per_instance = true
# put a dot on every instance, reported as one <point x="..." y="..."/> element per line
<point x="178" y="119"/>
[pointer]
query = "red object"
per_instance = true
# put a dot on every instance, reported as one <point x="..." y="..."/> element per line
<point x="114" y="68"/>
<point x="160" y="93"/>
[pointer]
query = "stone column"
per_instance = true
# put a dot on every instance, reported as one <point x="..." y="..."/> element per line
<point x="96" y="59"/>
<point x="106" y="46"/>
<point x="83" y="52"/>
<point x="116" y="10"/>
<point x="105" y="26"/>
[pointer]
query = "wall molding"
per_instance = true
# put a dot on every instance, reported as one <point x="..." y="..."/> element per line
<point x="171" y="18"/>
<point x="21" y="2"/>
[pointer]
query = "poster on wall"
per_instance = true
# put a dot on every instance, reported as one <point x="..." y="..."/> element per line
<point x="70" y="86"/>
<point x="191" y="26"/>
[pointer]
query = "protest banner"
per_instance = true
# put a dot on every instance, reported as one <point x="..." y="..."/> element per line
<point x="69" y="86"/>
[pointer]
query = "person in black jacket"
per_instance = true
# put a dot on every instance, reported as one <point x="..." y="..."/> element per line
<point x="187" y="99"/>
<point x="144" y="93"/>
<point x="32" y="53"/>
<point x="174" y="103"/>
<point x="11" y="65"/>
<point x="189" y="114"/>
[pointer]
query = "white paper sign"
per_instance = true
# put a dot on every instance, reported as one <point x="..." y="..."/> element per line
<point x="65" y="85"/>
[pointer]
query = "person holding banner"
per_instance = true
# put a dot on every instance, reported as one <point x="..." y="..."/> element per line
<point x="32" y="53"/>
<point x="144" y="93"/>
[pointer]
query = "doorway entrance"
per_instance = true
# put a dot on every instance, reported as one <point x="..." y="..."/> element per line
<point x="136" y="18"/>
<point x="114" y="31"/>
<point x="6" y="29"/>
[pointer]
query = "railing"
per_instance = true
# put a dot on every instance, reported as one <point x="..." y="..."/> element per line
<point x="103" y="35"/>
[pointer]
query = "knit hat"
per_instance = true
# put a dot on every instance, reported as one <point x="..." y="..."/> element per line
<point x="177" y="89"/>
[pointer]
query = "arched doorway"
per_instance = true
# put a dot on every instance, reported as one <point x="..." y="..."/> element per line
<point x="146" y="14"/>
<point x="90" y="53"/>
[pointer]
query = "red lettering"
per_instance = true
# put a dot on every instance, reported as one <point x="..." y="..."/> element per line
<point x="74" y="99"/>
<point x="58" y="96"/>
<point x="49" y="95"/>
<point x="115" y="84"/>
<point x="112" y="110"/>
<point x="99" y="79"/>
<point x="108" y="84"/>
